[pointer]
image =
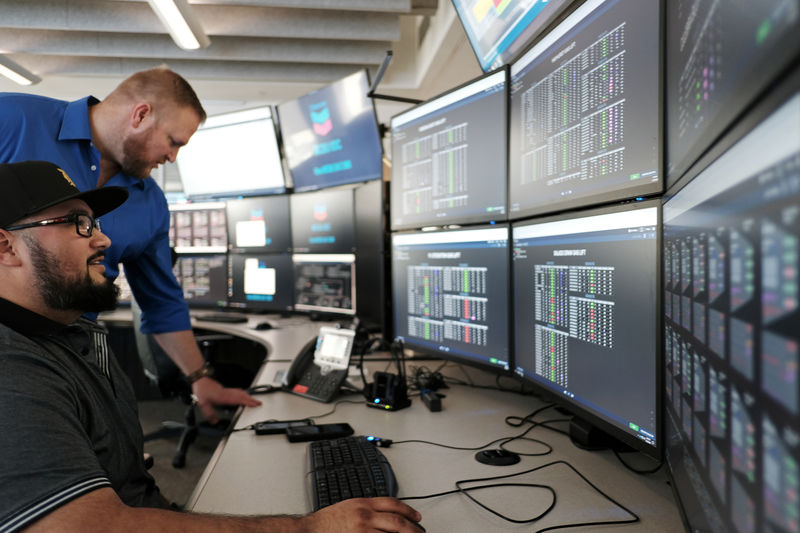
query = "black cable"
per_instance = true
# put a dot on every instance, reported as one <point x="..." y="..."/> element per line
<point x="335" y="405"/>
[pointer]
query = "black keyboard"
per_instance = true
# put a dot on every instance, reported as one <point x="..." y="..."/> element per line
<point x="348" y="467"/>
<point x="229" y="318"/>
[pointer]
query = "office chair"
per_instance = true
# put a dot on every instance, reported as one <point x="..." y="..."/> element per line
<point x="163" y="373"/>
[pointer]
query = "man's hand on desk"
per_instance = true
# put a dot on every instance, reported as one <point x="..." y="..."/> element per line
<point x="364" y="514"/>
<point x="209" y="392"/>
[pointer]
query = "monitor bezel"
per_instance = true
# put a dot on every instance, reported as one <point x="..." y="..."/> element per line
<point x="535" y="28"/>
<point x="459" y="358"/>
<point x="316" y="184"/>
<point x="464" y="219"/>
<point x="261" y="191"/>
<point x="231" y="227"/>
<point x="577" y="409"/>
<point x="645" y="190"/>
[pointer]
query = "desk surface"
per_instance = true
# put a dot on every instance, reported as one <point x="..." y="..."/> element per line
<point x="252" y="474"/>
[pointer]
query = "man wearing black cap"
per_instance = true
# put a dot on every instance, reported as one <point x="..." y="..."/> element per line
<point x="70" y="441"/>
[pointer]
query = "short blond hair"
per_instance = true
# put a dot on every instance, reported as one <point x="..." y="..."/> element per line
<point x="159" y="86"/>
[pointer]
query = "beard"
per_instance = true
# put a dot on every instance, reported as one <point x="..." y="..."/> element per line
<point x="133" y="162"/>
<point x="78" y="294"/>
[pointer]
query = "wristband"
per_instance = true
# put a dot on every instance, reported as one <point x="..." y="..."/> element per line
<point x="205" y="371"/>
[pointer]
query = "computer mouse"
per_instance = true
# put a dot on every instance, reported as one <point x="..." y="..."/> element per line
<point x="497" y="457"/>
<point x="263" y="325"/>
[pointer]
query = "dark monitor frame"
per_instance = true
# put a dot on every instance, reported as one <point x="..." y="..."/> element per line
<point x="323" y="184"/>
<point x="485" y="217"/>
<point x="582" y="414"/>
<point x="681" y="469"/>
<point x="232" y="206"/>
<point x="342" y="258"/>
<point x="194" y="304"/>
<point x="725" y="124"/>
<point x="284" y="279"/>
<point x="644" y="190"/>
<point x="457" y="357"/>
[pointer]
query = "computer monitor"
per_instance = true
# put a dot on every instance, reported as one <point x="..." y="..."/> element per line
<point x="259" y="225"/>
<point x="198" y="227"/>
<point x="372" y="258"/>
<point x="325" y="283"/>
<point x="330" y="136"/>
<point x="499" y="30"/>
<point x="230" y="155"/>
<point x="449" y="157"/>
<point x="585" y="124"/>
<point x="451" y="294"/>
<point x="586" y="318"/>
<point x="732" y="347"/>
<point x="322" y="221"/>
<point x="260" y="282"/>
<point x="203" y="279"/>
<point x="720" y="57"/>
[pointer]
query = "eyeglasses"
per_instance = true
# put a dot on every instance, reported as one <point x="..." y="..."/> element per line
<point x="84" y="224"/>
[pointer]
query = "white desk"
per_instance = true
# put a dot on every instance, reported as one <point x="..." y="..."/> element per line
<point x="252" y="474"/>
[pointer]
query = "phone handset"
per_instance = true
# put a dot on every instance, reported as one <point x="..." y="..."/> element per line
<point x="301" y="362"/>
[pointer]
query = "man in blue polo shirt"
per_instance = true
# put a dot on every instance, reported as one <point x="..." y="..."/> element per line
<point x="119" y="141"/>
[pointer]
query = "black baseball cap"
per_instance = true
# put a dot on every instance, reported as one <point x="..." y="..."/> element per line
<point x="32" y="186"/>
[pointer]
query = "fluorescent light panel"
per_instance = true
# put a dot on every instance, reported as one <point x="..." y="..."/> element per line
<point x="183" y="26"/>
<point x="17" y="73"/>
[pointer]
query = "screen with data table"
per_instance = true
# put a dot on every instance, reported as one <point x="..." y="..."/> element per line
<point x="449" y="157"/>
<point x="721" y="55"/>
<point x="450" y="293"/>
<point x="585" y="110"/>
<point x="732" y="346"/>
<point x="586" y="319"/>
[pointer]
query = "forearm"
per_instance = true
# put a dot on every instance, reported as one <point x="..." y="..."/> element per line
<point x="181" y="347"/>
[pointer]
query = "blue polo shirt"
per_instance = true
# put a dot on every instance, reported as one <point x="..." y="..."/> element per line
<point x="37" y="127"/>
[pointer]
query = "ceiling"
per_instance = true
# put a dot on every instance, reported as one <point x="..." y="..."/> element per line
<point x="261" y="51"/>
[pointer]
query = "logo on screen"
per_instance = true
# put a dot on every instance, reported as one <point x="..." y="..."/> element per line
<point x="320" y="212"/>
<point x="321" y="118"/>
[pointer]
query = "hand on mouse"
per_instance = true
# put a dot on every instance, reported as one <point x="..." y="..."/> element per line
<point x="364" y="514"/>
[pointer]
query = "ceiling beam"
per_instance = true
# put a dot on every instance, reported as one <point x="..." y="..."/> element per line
<point x="249" y="21"/>
<point x="131" y="45"/>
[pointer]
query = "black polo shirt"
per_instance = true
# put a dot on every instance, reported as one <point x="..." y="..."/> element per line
<point x="68" y="419"/>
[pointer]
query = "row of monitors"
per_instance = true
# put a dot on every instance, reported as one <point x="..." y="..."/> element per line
<point x="314" y="222"/>
<point x="669" y="323"/>
<point x="323" y="283"/>
<point x="577" y="119"/>
<point x="329" y="137"/>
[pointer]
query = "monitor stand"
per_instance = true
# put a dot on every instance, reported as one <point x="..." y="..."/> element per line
<point x="588" y="437"/>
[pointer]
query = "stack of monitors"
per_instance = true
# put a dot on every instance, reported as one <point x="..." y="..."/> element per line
<point x="259" y="272"/>
<point x="323" y="242"/>
<point x="451" y="293"/>
<point x="330" y="136"/>
<point x="585" y="121"/>
<point x="230" y="155"/>
<point x="732" y="307"/>
<point x="586" y="316"/>
<point x="449" y="164"/>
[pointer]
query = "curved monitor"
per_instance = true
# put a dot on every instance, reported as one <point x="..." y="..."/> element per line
<point x="330" y="136"/>
<point x="586" y="316"/>
<point x="235" y="154"/>
<point x="449" y="157"/>
<point x="732" y="347"/>
<point x="585" y="110"/>
<point x="499" y="29"/>
<point x="721" y="55"/>
<point x="451" y="292"/>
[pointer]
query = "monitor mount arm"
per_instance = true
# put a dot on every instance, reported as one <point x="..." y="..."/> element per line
<point x="371" y="93"/>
